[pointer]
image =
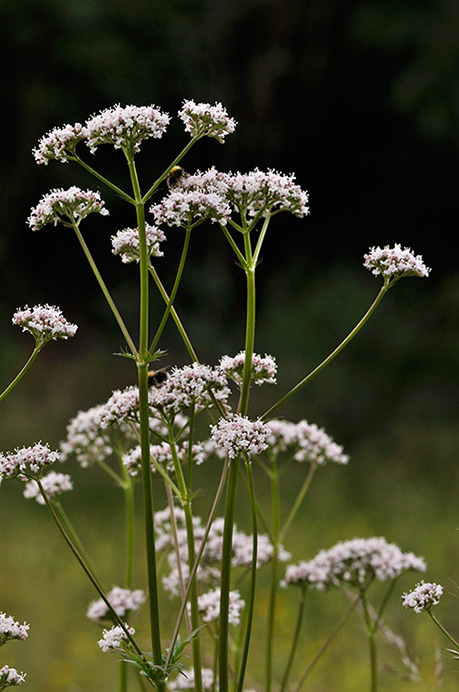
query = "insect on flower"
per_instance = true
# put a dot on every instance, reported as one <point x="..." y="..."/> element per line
<point x="156" y="378"/>
<point x="175" y="177"/>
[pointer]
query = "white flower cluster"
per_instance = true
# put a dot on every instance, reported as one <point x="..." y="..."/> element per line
<point x="44" y="322"/>
<point x="114" y="638"/>
<point x="354" y="563"/>
<point x="126" y="243"/>
<point x="53" y="484"/>
<point x="423" y="597"/>
<point x="395" y="262"/>
<point x="305" y="441"/>
<point x="59" y="144"/>
<point x="162" y="454"/>
<point x="125" y="127"/>
<point x="26" y="460"/>
<point x="65" y="206"/>
<point x="209" y="606"/>
<point x="204" y="120"/>
<point x="121" y="600"/>
<point x="121" y="406"/>
<point x="266" y="192"/>
<point x="10" y="629"/>
<point x="85" y="438"/>
<point x="185" y="681"/>
<point x="239" y="434"/>
<point x="10" y="677"/>
<point x="264" y="369"/>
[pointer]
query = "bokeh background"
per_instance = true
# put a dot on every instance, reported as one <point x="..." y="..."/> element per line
<point x="361" y="100"/>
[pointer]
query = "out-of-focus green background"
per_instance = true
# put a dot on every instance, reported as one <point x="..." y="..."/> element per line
<point x="361" y="100"/>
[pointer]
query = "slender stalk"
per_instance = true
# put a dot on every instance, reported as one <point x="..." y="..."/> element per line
<point x="22" y="372"/>
<point x="297" y="504"/>
<point x="295" y="638"/>
<point x="275" y="501"/>
<point x="178" y="158"/>
<point x="371" y="631"/>
<point x="445" y="631"/>
<point x="103" y="179"/>
<point x="130" y="526"/>
<point x="249" y="343"/>
<point x="332" y="355"/>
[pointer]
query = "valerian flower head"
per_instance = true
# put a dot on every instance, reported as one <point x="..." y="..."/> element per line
<point x="354" y="563"/>
<point x="10" y="629"/>
<point x="266" y="193"/>
<point x="65" y="206"/>
<point x="125" y="127"/>
<point x="191" y="204"/>
<point x="44" y="322"/>
<point x="305" y="441"/>
<point x="239" y="434"/>
<point x="423" y="597"/>
<point x="185" y="681"/>
<point x="122" y="601"/>
<point x="394" y="263"/>
<point x="53" y="484"/>
<point x="59" y="144"/>
<point x="264" y="369"/>
<point x="10" y="677"/>
<point x="209" y="606"/>
<point x="126" y="243"/>
<point x="26" y="461"/>
<point x="114" y="638"/>
<point x="204" y="120"/>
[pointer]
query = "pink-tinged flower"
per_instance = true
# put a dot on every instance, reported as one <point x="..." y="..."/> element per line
<point x="114" y="638"/>
<point x="65" y="206"/>
<point x="122" y="405"/>
<point x="125" y="127"/>
<point x="264" y="369"/>
<point x="53" y="484"/>
<point x="266" y="193"/>
<point x="394" y="263"/>
<point x="44" y="322"/>
<point x="305" y="442"/>
<point x="126" y="243"/>
<point x="10" y="629"/>
<point x="59" y="144"/>
<point x="122" y="601"/>
<point x="85" y="438"/>
<point x="27" y="460"/>
<point x="204" y="120"/>
<point x="184" y="206"/>
<point x="209" y="606"/>
<point x="354" y="563"/>
<point x="185" y="681"/>
<point x="423" y="597"/>
<point x="10" y="677"/>
<point x="239" y="435"/>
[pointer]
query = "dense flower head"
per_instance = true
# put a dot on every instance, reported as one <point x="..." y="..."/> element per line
<point x="10" y="677"/>
<point x="187" y="206"/>
<point x="121" y="406"/>
<point x="354" y="563"/>
<point x="122" y="601"/>
<point x="10" y="629"/>
<point x="204" y="120"/>
<point x="394" y="263"/>
<point x="264" y="369"/>
<point x="305" y="441"/>
<point x="238" y="434"/>
<point x="27" y="460"/>
<point x="65" y="206"/>
<point x="266" y="192"/>
<point x="209" y="606"/>
<point x="53" y="484"/>
<point x="423" y="597"/>
<point x="44" y="322"/>
<point x="185" y="681"/>
<point x="126" y="244"/>
<point x="59" y="144"/>
<point x="162" y="454"/>
<point x="125" y="127"/>
<point x="114" y="638"/>
<point x="85" y="439"/>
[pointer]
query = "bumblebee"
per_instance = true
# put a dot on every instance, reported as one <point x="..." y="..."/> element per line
<point x="156" y="378"/>
<point x="175" y="177"/>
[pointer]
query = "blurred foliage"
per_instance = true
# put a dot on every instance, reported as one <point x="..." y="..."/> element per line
<point x="361" y="100"/>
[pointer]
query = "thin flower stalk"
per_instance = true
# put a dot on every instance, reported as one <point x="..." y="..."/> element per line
<point x="21" y="373"/>
<point x="295" y="639"/>
<point x="443" y="629"/>
<point x="275" y="505"/>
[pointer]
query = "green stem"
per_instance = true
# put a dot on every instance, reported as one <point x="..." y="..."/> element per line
<point x="445" y="631"/>
<point x="297" y="504"/>
<point x="332" y="355"/>
<point x="295" y="638"/>
<point x="249" y="343"/>
<point x="22" y="372"/>
<point x="164" y="175"/>
<point x="105" y="290"/>
<point x="275" y="495"/>
<point x="104" y="180"/>
<point x="128" y="489"/>
<point x="371" y="631"/>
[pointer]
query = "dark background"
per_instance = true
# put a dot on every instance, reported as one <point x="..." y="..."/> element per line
<point x="361" y="100"/>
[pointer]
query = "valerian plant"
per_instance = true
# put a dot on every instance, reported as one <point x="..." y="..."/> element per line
<point x="148" y="431"/>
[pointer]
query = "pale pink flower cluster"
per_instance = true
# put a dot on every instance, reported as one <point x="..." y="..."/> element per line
<point x="394" y="263"/>
<point x="10" y="677"/>
<point x="162" y="454"/>
<point x="305" y="441"/>
<point x="209" y="606"/>
<point x="183" y="207"/>
<point x="122" y="601"/>
<point x="125" y="127"/>
<point x="185" y="681"/>
<point x="121" y="406"/>
<point x="204" y="120"/>
<point x="114" y="638"/>
<point x="354" y="563"/>
<point x="125" y="243"/>
<point x="53" y="484"/>
<point x="59" y="144"/>
<point x="10" y="629"/>
<point x="266" y="192"/>
<point x="65" y="206"/>
<point x="85" y="438"/>
<point x="423" y="597"/>
<point x="193" y="385"/>
<point x="44" y="322"/>
<point x="27" y="460"/>
<point x="239" y="434"/>
<point x="264" y="369"/>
